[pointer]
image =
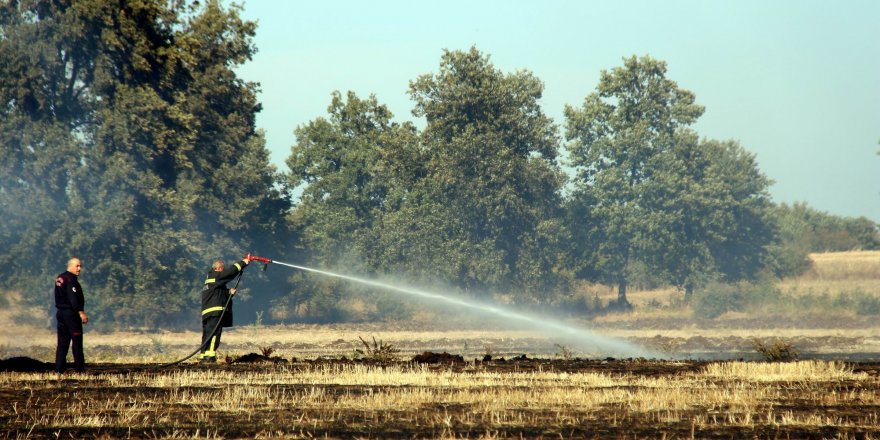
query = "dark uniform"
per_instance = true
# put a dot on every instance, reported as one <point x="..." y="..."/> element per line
<point x="214" y="299"/>
<point x="69" y="301"/>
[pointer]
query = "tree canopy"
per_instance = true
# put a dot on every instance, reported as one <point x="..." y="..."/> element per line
<point x="622" y="136"/>
<point x="648" y="191"/>
<point x="492" y="184"/>
<point x="461" y="201"/>
<point x="129" y="141"/>
<point x="132" y="140"/>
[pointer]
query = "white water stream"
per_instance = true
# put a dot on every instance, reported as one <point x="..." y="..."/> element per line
<point x="582" y="338"/>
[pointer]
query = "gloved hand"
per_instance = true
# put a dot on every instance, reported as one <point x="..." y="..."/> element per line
<point x="247" y="258"/>
<point x="232" y="292"/>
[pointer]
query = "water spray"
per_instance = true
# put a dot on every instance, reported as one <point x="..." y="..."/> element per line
<point x="617" y="347"/>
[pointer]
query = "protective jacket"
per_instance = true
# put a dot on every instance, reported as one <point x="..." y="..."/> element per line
<point x="215" y="294"/>
<point x="68" y="293"/>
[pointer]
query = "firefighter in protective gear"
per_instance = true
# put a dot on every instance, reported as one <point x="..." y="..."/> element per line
<point x="215" y="297"/>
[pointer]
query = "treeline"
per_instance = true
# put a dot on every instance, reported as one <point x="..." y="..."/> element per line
<point x="129" y="141"/>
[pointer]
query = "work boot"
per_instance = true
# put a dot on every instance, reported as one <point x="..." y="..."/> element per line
<point x="208" y="360"/>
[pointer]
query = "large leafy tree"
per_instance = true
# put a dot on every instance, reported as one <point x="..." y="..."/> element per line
<point x="238" y="207"/>
<point x="124" y="126"/>
<point x="469" y="201"/>
<point x="712" y="212"/>
<point x="742" y="226"/>
<point x="352" y="167"/>
<point x="484" y="215"/>
<point x="621" y="135"/>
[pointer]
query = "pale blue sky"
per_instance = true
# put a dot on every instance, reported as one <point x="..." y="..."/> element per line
<point x="796" y="82"/>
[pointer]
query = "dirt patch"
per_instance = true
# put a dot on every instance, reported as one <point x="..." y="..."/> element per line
<point x="25" y="364"/>
<point x="429" y="357"/>
<point x="251" y="358"/>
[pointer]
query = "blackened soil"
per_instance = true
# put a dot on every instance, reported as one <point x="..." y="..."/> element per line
<point x="611" y="421"/>
<point x="446" y="362"/>
<point x="258" y="358"/>
<point x="429" y="357"/>
<point x="25" y="364"/>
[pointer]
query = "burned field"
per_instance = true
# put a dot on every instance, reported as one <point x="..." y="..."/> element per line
<point x="379" y="381"/>
<point x="448" y="378"/>
<point x="441" y="395"/>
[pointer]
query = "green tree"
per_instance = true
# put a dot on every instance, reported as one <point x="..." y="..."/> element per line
<point x="713" y="212"/>
<point x="743" y="227"/>
<point x="352" y="167"/>
<point x="125" y="105"/>
<point x="620" y="137"/>
<point x="348" y="169"/>
<point x="75" y="63"/>
<point x="816" y="231"/>
<point x="471" y="201"/>
<point x="228" y="160"/>
<point x="490" y="197"/>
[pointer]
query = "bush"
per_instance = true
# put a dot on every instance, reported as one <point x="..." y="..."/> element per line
<point x="776" y="351"/>
<point x="582" y="305"/>
<point x="866" y="304"/>
<point x="789" y="259"/>
<point x="391" y="307"/>
<point x="855" y="301"/>
<point x="844" y="301"/>
<point x="377" y="351"/>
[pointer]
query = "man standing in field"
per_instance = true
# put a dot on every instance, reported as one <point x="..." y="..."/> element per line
<point x="70" y="302"/>
<point x="215" y="297"/>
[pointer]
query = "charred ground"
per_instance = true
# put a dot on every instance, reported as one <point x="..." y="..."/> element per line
<point x="263" y="396"/>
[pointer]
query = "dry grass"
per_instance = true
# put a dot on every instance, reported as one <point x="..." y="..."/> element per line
<point x="838" y="266"/>
<point x="732" y="399"/>
<point x="837" y="272"/>
<point x="784" y="371"/>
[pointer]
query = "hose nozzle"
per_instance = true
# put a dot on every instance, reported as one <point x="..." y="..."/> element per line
<point x="263" y="260"/>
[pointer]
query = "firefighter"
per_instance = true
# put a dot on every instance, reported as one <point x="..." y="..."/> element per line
<point x="215" y="296"/>
<point x="70" y="303"/>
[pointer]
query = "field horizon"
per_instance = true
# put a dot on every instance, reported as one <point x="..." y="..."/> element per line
<point x="658" y="323"/>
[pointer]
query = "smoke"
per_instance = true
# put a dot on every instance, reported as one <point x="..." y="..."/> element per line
<point x="577" y="337"/>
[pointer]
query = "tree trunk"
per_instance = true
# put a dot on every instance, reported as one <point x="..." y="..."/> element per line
<point x="622" y="303"/>
<point x="688" y="293"/>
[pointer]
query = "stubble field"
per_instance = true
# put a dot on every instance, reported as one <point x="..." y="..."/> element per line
<point x="519" y="398"/>
<point x="452" y="379"/>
